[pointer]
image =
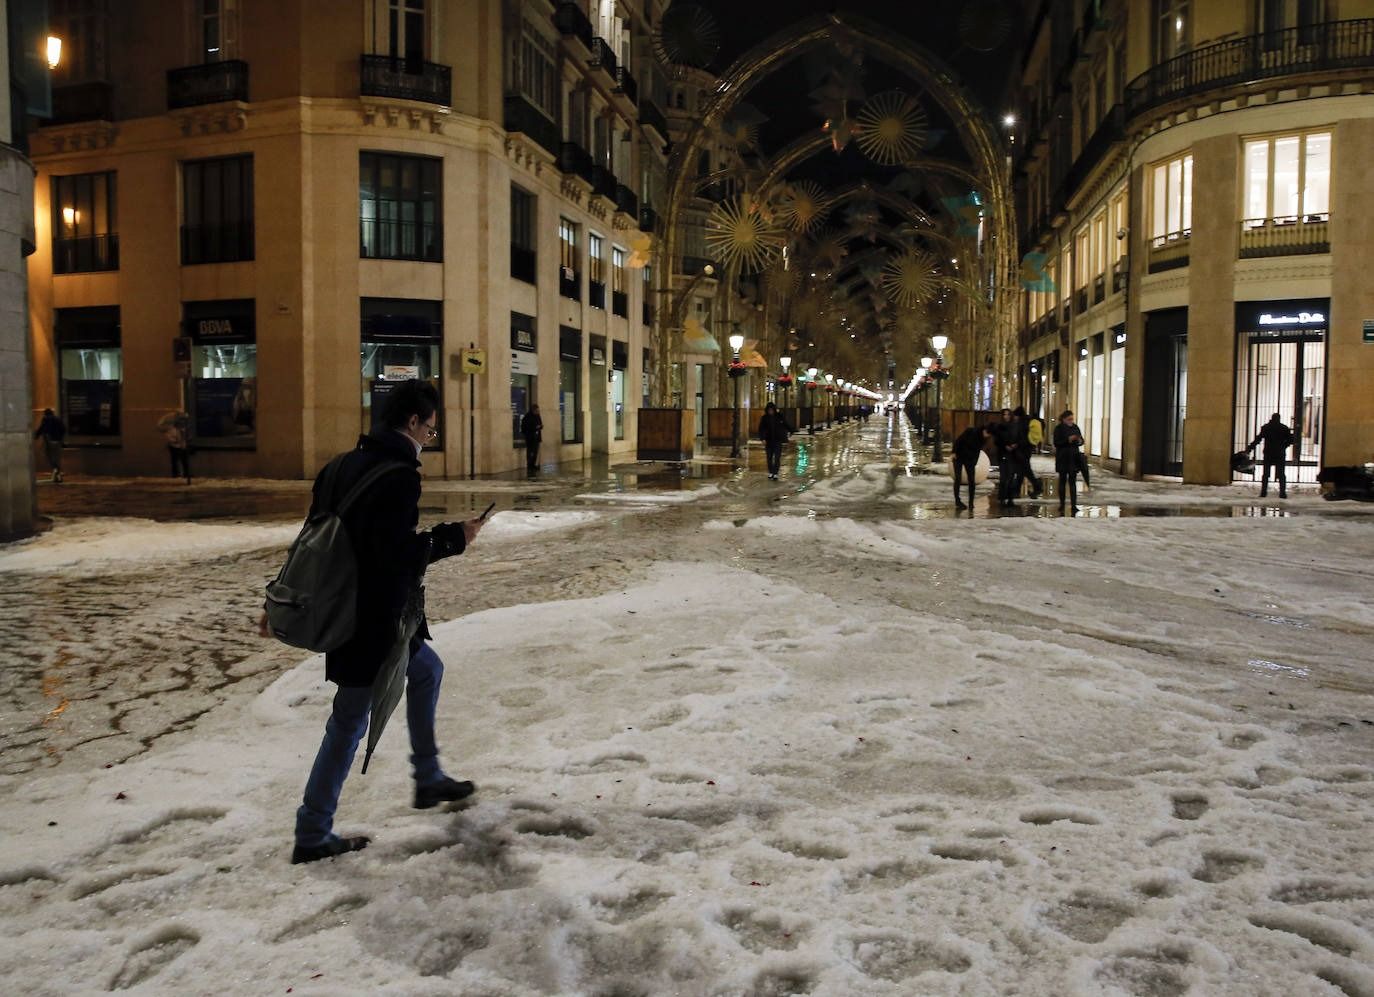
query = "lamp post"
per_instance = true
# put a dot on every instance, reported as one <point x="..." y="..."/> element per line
<point x="811" y="373"/>
<point x="829" y="399"/>
<point x="786" y="379"/>
<point x="676" y="302"/>
<point x="939" y="372"/>
<point x="736" y="371"/>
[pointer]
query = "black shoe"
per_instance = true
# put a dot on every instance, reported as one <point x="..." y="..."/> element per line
<point x="334" y="846"/>
<point x="1262" y="494"/>
<point x="446" y="790"/>
<point x="1074" y="509"/>
<point x="959" y="505"/>
<point x="1038" y="489"/>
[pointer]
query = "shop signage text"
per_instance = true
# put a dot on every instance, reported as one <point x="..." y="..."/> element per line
<point x="1302" y="318"/>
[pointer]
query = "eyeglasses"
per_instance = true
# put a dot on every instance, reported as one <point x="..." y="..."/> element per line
<point x="431" y="431"/>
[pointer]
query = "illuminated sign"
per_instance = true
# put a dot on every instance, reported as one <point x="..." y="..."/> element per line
<point x="1302" y="318"/>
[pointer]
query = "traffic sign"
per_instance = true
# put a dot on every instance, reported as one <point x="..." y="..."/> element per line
<point x="474" y="361"/>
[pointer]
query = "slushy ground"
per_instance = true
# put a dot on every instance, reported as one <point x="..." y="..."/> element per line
<point x="732" y="736"/>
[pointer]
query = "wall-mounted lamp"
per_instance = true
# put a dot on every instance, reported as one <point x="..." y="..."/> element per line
<point x="54" y="51"/>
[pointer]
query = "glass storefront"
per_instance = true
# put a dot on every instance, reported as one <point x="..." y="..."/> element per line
<point x="1116" y="392"/>
<point x="620" y="361"/>
<point x="524" y="371"/>
<point x="91" y="371"/>
<point x="401" y="340"/>
<point x="224" y="372"/>
<point x="1281" y="367"/>
<point x="570" y="384"/>
<point x="1164" y="392"/>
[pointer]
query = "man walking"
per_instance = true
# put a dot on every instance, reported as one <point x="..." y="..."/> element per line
<point x="392" y="559"/>
<point x="52" y="431"/>
<point x="532" y="429"/>
<point x="1277" y="438"/>
<point x="773" y="430"/>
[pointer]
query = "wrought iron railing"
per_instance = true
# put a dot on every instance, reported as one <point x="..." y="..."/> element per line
<point x="603" y="57"/>
<point x="210" y="83"/>
<point x="626" y="201"/>
<point x="227" y="243"/>
<point x="651" y="116"/>
<point x="571" y="21"/>
<point x="648" y="218"/>
<point x="1170" y="251"/>
<point x="85" y="254"/>
<point x="1099" y="289"/>
<point x="574" y="159"/>
<point x="1120" y="269"/>
<point x="570" y="283"/>
<point x="1291" y="236"/>
<point x="603" y="182"/>
<point x="1310" y="48"/>
<point x="82" y="102"/>
<point x="406" y="79"/>
<point x="523" y="116"/>
<point x="394" y="239"/>
<point x="625" y="83"/>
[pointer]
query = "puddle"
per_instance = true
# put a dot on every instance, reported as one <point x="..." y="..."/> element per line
<point x="1265" y="666"/>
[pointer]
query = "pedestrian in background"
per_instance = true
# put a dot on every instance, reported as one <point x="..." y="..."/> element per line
<point x="1004" y="433"/>
<point x="1068" y="441"/>
<point x="1277" y="438"/>
<point x="175" y="427"/>
<point x="1022" y="453"/>
<point x="52" y="431"/>
<point x="773" y="430"/>
<point x="967" y="448"/>
<point x="532" y="429"/>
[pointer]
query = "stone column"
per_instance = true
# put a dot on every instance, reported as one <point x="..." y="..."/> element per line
<point x="16" y="410"/>
<point x="1349" y="360"/>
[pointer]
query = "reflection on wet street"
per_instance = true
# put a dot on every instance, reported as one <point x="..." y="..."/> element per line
<point x="106" y="660"/>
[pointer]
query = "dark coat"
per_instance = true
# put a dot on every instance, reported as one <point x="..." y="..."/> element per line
<point x="773" y="429"/>
<point x="532" y="427"/>
<point x="1276" y="437"/>
<point x="1006" y="434"/>
<point x="391" y="556"/>
<point x="969" y="445"/>
<point x="50" y="427"/>
<point x="1068" y="441"/>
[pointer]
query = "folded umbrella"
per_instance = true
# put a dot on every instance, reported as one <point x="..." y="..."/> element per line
<point x="390" y="682"/>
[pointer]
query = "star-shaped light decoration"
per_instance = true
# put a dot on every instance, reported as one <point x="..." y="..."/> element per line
<point x="891" y="127"/>
<point x="735" y="233"/>
<point x="803" y="205"/>
<point x="911" y="278"/>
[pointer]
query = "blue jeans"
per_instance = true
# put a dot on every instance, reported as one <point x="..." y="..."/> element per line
<point x="346" y="726"/>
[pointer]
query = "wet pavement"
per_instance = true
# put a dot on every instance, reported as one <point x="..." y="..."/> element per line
<point x="100" y="666"/>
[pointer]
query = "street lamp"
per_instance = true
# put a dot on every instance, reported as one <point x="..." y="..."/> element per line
<point x="786" y="379"/>
<point x="811" y="373"/>
<point x="829" y="399"/>
<point x="939" y="373"/>
<point x="736" y="371"/>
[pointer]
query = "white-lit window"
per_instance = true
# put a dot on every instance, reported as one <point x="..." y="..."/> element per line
<point x="1287" y="179"/>
<point x="1171" y="200"/>
<point x="1172" y="29"/>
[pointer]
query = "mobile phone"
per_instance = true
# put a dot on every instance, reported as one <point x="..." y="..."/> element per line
<point x="487" y="510"/>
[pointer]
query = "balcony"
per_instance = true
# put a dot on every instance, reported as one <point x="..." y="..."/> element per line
<point x="596" y="293"/>
<point x="406" y="79"/>
<point x="625" y="83"/>
<point x="81" y="102"/>
<point x="1170" y="251"/>
<point x="211" y="83"/>
<point x="522" y="116"/>
<point x="571" y="22"/>
<point x="570" y="283"/>
<point x="574" y="159"/>
<point x="393" y="239"/>
<point x="651" y="116"/>
<point x="603" y="58"/>
<point x="523" y="264"/>
<point x="626" y="201"/>
<point x="1099" y="289"/>
<point x="1080" y="300"/>
<point x="620" y="304"/>
<point x="227" y="243"/>
<point x="1120" y="272"/>
<point x="85" y="254"/>
<point x="1246" y="61"/>
<point x="603" y="182"/>
<point x="648" y="219"/>
<point x="1263" y="237"/>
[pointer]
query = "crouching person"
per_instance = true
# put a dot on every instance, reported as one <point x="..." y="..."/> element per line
<point x="391" y="559"/>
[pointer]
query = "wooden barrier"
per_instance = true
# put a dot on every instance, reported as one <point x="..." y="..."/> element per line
<point x="666" y="434"/>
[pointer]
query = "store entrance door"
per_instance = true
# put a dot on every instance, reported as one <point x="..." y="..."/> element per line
<point x="1283" y="371"/>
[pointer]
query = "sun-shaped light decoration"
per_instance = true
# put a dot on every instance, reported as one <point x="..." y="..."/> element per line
<point x="687" y="36"/>
<point x="803" y="206"/>
<point x="738" y="232"/>
<point x="911" y="278"/>
<point x="892" y="127"/>
<point x="641" y="251"/>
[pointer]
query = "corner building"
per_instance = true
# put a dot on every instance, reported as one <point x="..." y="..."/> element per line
<point x="1195" y="174"/>
<point x="268" y="212"/>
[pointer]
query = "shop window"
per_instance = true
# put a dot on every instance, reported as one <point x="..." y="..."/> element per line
<point x="401" y="341"/>
<point x="620" y="362"/>
<point x="596" y="271"/>
<point x="1116" y="393"/>
<point x="400" y="207"/>
<point x="523" y="245"/>
<point x="1171" y="202"/>
<point x="620" y="299"/>
<point x="84" y="235"/>
<point x="224" y="372"/>
<point x="524" y="371"/>
<point x="570" y="384"/>
<point x="1287" y="195"/>
<point x="217" y="210"/>
<point x="90" y="372"/>
<point x="569" y="272"/>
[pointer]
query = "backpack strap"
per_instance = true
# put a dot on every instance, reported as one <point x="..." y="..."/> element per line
<point x="366" y="481"/>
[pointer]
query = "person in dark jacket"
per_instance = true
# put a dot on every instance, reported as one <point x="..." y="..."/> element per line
<point x="773" y="430"/>
<point x="1068" y="441"/>
<point x="967" y="447"/>
<point x="1277" y="438"/>
<point x="1022" y="453"/>
<point x="52" y="431"/>
<point x="392" y="558"/>
<point x="532" y="429"/>
<point x="1004" y="433"/>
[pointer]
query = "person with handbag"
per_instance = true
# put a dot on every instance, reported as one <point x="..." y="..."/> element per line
<point x="1277" y="438"/>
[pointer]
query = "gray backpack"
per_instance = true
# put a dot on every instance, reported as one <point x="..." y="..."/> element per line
<point x="312" y="602"/>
